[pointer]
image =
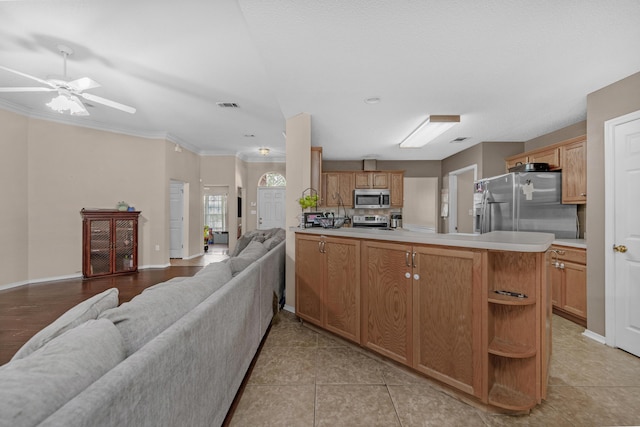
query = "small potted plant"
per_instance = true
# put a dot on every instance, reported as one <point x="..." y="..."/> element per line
<point x="308" y="201"/>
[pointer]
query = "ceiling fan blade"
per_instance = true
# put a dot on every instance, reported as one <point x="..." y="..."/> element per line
<point x="44" y="82"/>
<point x="27" y="89"/>
<point x="83" y="83"/>
<point x="108" y="102"/>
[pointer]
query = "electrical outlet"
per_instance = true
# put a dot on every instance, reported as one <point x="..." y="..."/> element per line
<point x="157" y="247"/>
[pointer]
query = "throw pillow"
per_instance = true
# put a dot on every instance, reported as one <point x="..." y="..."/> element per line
<point x="86" y="310"/>
<point x="250" y="254"/>
<point x="36" y="386"/>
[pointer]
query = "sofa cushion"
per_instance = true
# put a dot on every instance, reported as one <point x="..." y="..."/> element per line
<point x="86" y="310"/>
<point x="154" y="310"/>
<point x="36" y="386"/>
<point x="250" y="254"/>
<point x="275" y="238"/>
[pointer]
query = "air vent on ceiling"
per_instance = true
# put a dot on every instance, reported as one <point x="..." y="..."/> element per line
<point x="459" y="139"/>
<point x="227" y="104"/>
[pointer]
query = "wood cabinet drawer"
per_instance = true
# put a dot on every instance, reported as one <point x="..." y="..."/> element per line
<point x="576" y="255"/>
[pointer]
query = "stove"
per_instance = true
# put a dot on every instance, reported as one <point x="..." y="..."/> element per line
<point x="373" y="221"/>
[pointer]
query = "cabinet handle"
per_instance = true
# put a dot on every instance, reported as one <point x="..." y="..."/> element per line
<point x="413" y="259"/>
<point x="406" y="259"/>
<point x="320" y="247"/>
<point x="583" y="194"/>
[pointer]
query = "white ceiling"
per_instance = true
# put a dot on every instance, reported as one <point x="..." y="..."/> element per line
<point x="513" y="70"/>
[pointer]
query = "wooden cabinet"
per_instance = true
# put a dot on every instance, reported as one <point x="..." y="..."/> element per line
<point x="372" y="179"/>
<point x="447" y="324"/>
<point x="328" y="283"/>
<point x="387" y="300"/>
<point x="338" y="186"/>
<point x="568" y="274"/>
<point x="396" y="189"/>
<point x="517" y="356"/>
<point x="574" y="172"/>
<point x="571" y="157"/>
<point x="551" y="156"/>
<point x="418" y="309"/>
<point x="512" y="161"/>
<point x="109" y="242"/>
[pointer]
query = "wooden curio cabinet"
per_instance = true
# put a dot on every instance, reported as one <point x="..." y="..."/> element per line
<point x="109" y="242"/>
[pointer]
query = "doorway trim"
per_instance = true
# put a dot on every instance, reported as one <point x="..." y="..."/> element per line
<point x="453" y="194"/>
<point x="609" y="226"/>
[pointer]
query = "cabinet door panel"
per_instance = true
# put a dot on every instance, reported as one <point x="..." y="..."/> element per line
<point x="387" y="300"/>
<point x="557" y="286"/>
<point x="575" y="295"/>
<point x="447" y="317"/>
<point x="551" y="156"/>
<point x="346" y="188"/>
<point x="362" y="180"/>
<point x="309" y="277"/>
<point x="380" y="179"/>
<point x="342" y="302"/>
<point x="574" y="173"/>
<point x="397" y="189"/>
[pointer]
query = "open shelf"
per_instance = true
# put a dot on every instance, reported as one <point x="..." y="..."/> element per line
<point x="500" y="347"/>
<point x="509" y="300"/>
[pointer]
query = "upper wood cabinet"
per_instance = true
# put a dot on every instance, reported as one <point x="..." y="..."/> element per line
<point x="372" y="179"/>
<point x="574" y="172"/>
<point x="338" y="186"/>
<point x="396" y="189"/>
<point x="571" y="157"/>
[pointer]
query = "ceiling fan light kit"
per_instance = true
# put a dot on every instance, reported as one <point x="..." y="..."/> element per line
<point x="68" y="91"/>
<point x="429" y="130"/>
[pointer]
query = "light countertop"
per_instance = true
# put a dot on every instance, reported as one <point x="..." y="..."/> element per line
<point x="572" y="243"/>
<point x="495" y="240"/>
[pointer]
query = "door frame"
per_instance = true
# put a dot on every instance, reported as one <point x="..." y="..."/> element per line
<point x="609" y="223"/>
<point x="182" y="205"/>
<point x="453" y="194"/>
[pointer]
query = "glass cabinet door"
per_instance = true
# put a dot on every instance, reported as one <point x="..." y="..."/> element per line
<point x="124" y="245"/>
<point x="100" y="246"/>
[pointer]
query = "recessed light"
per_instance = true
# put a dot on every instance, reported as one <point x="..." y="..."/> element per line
<point x="374" y="100"/>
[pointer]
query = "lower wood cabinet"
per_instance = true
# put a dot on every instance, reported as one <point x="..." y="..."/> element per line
<point x="478" y="320"/>
<point x="568" y="274"/>
<point x="328" y="283"/>
<point x="418" y="309"/>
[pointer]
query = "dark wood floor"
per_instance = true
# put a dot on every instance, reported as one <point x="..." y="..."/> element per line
<point x="25" y="310"/>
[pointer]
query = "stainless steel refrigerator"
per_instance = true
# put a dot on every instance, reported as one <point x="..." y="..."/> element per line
<point x="524" y="201"/>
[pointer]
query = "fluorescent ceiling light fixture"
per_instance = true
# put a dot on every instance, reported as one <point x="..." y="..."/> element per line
<point x="264" y="151"/>
<point x="429" y="130"/>
<point x="70" y="103"/>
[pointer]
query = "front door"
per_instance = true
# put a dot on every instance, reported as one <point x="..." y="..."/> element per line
<point x="623" y="239"/>
<point x="271" y="208"/>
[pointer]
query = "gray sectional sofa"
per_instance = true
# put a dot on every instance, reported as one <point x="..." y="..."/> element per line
<point x="175" y="355"/>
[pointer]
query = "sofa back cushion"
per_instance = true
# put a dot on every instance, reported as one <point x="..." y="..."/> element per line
<point x="250" y="254"/>
<point x="34" y="387"/>
<point x="86" y="310"/>
<point x="158" y="307"/>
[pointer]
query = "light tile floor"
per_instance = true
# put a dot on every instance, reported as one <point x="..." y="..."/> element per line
<point x="306" y="377"/>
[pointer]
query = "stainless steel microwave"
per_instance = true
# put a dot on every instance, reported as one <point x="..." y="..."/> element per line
<point x="371" y="199"/>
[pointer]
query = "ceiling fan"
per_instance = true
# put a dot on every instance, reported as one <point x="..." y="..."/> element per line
<point x="68" y="91"/>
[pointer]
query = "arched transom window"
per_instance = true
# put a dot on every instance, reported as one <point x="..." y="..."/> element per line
<point x="272" y="179"/>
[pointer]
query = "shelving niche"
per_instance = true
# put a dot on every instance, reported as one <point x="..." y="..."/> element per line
<point x="514" y="346"/>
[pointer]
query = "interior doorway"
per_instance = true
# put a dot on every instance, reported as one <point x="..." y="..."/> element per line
<point x="461" y="199"/>
<point x="622" y="232"/>
<point x="176" y="219"/>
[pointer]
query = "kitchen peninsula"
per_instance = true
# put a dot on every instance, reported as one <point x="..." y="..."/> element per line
<point x="471" y="311"/>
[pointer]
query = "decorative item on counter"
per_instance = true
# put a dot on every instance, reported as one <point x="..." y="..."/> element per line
<point x="308" y="199"/>
<point x="122" y="206"/>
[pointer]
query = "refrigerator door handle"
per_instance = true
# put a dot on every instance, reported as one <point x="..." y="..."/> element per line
<point x="483" y="213"/>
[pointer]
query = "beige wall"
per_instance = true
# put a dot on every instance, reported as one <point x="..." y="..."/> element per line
<point x="70" y="168"/>
<point x="571" y="131"/>
<point x="615" y="100"/>
<point x="254" y="173"/>
<point x="14" y="225"/>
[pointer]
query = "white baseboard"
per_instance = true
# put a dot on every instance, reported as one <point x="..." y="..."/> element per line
<point x="596" y="337"/>
<point x="147" y="267"/>
<point x="13" y="285"/>
<point x="289" y="309"/>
